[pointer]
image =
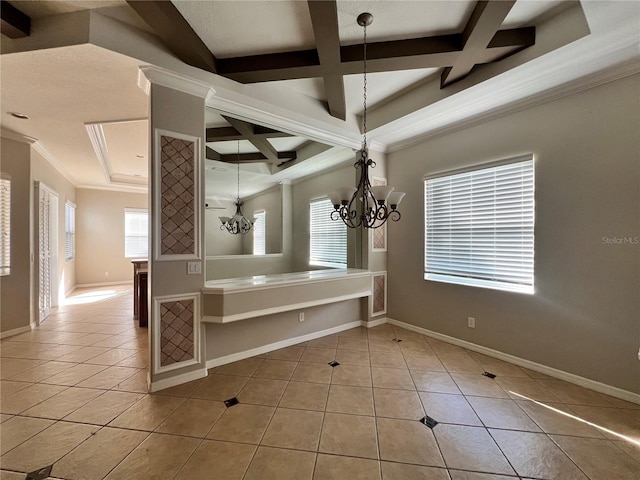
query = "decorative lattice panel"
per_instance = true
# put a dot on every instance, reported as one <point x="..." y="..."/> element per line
<point x="177" y="190"/>
<point x="176" y="331"/>
<point x="379" y="294"/>
<point x="379" y="233"/>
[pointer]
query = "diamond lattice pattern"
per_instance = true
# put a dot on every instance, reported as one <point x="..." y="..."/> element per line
<point x="176" y="327"/>
<point x="177" y="196"/>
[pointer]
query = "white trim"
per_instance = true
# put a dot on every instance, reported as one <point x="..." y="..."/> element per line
<point x="115" y="188"/>
<point x="282" y="308"/>
<point x="374" y="323"/>
<point x="242" y="256"/>
<point x="16" y="331"/>
<point x="148" y="74"/>
<point x="234" y="357"/>
<point x="155" y="327"/>
<point x="100" y="284"/>
<point x="197" y="197"/>
<point x="175" y="380"/>
<point x="537" y="367"/>
<point x="99" y="144"/>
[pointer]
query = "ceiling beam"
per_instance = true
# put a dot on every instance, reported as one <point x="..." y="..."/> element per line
<point x="324" y="19"/>
<point x="253" y="157"/>
<point x="15" y="24"/>
<point x="261" y="143"/>
<point x="485" y="20"/>
<point x="427" y="52"/>
<point x="223" y="134"/>
<point x="176" y="33"/>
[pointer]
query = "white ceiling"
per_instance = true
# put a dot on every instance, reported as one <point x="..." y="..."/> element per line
<point x="95" y="81"/>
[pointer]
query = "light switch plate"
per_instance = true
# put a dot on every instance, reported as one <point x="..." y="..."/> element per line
<point x="194" y="268"/>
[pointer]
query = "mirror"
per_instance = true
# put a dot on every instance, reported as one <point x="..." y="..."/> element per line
<point x="268" y="160"/>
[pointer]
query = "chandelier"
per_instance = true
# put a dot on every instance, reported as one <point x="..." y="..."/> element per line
<point x="238" y="224"/>
<point x="365" y="206"/>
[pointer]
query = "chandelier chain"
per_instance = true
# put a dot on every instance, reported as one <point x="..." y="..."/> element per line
<point x="238" y="170"/>
<point x="364" y="102"/>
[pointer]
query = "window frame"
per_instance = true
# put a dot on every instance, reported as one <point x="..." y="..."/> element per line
<point x="135" y="254"/>
<point x="69" y="231"/>
<point x="504" y="248"/>
<point x="260" y="214"/>
<point x="325" y="211"/>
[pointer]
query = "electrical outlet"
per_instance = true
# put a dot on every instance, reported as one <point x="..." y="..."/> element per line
<point x="471" y="322"/>
<point x="194" y="268"/>
<point x="106" y="274"/>
<point x="301" y="317"/>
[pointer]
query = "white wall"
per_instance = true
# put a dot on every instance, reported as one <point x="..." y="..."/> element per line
<point x="585" y="313"/>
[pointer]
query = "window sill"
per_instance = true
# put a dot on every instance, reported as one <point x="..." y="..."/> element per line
<point x="475" y="282"/>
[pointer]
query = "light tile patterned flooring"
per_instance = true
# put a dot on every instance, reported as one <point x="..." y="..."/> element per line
<point x="74" y="395"/>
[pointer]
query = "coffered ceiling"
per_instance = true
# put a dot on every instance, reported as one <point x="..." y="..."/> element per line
<point x="287" y="74"/>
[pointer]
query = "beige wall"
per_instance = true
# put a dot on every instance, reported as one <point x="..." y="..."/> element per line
<point x="44" y="172"/>
<point x="230" y="338"/>
<point x="584" y="317"/>
<point x="15" y="311"/>
<point x="309" y="189"/>
<point x="271" y="203"/>
<point x="248" y="265"/>
<point x="100" y="235"/>
<point x="220" y="242"/>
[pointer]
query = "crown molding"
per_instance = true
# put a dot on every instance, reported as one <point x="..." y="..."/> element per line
<point x="99" y="143"/>
<point x="148" y="74"/>
<point x="114" y="188"/>
<point x="17" y="137"/>
<point x="55" y="163"/>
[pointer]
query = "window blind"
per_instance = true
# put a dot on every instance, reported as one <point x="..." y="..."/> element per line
<point x="328" y="245"/>
<point x="479" y="227"/>
<point x="5" y="226"/>
<point x="136" y="231"/>
<point x="259" y="238"/>
<point x="70" y="231"/>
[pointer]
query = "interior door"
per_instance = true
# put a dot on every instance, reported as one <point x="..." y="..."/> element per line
<point x="44" y="257"/>
<point x="47" y="232"/>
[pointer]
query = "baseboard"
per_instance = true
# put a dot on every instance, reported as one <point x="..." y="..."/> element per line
<point x="15" y="331"/>
<point x="537" y="367"/>
<point x="175" y="380"/>
<point x="70" y="291"/>
<point x="103" y="284"/>
<point x="374" y="323"/>
<point x="234" y="357"/>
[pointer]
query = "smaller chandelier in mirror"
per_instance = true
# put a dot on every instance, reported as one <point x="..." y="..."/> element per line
<point x="238" y="224"/>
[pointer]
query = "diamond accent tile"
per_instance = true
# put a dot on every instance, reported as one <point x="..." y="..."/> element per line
<point x="490" y="375"/>
<point x="177" y="192"/>
<point x="428" y="421"/>
<point x="379" y="294"/>
<point x="176" y="327"/>
<point x="231" y="402"/>
<point x="334" y="364"/>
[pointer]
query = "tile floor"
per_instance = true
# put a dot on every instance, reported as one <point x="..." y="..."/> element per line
<point x="74" y="396"/>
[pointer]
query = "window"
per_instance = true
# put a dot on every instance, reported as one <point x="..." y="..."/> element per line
<point x="328" y="246"/>
<point x="259" y="239"/>
<point x="479" y="226"/>
<point x="136" y="231"/>
<point x="69" y="231"/>
<point x="5" y="226"/>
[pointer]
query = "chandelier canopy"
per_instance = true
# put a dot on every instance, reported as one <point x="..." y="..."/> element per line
<point x="365" y="206"/>
<point x="238" y="224"/>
